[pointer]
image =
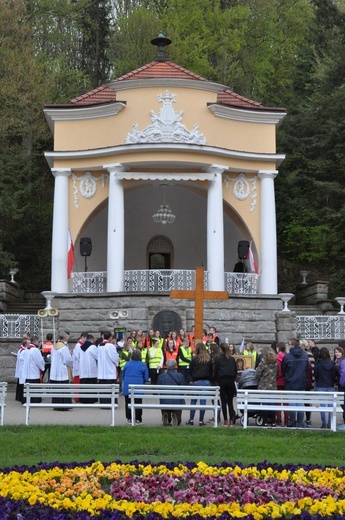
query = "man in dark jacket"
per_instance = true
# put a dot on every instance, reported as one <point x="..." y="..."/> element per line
<point x="171" y="377"/>
<point x="295" y="369"/>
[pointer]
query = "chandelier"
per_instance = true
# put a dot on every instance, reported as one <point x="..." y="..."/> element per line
<point x="164" y="215"/>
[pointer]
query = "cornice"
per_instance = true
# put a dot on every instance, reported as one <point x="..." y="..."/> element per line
<point x="273" y="158"/>
<point x="164" y="82"/>
<point x="247" y="115"/>
<point x="173" y="176"/>
<point x="80" y="113"/>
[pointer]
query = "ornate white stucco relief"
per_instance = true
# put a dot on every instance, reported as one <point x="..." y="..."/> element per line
<point x="166" y="127"/>
<point x="87" y="185"/>
<point x="243" y="188"/>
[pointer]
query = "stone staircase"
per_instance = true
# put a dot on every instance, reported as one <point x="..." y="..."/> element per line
<point x="313" y="310"/>
<point x="30" y="305"/>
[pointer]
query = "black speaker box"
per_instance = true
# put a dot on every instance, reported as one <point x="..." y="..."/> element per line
<point x="243" y="249"/>
<point x="85" y="246"/>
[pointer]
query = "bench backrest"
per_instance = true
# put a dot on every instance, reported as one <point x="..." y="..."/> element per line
<point x="283" y="397"/>
<point x="3" y="391"/>
<point x="174" y="391"/>
<point x="3" y="394"/>
<point x="48" y="390"/>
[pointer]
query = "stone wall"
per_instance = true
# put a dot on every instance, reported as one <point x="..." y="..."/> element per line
<point x="252" y="317"/>
<point x="9" y="292"/>
<point x="256" y="318"/>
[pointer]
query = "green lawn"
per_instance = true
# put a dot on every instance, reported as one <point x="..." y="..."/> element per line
<point x="29" y="445"/>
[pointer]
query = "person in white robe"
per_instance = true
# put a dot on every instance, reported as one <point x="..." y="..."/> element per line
<point x="19" y="371"/>
<point x="108" y="361"/>
<point x="76" y="355"/>
<point x="61" y="366"/>
<point x="88" y="356"/>
<point x="33" y="366"/>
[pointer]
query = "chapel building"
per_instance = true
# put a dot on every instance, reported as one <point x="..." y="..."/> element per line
<point x="158" y="172"/>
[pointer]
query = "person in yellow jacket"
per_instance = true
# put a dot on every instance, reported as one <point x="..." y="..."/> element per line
<point x="143" y="350"/>
<point x="250" y="351"/>
<point x="125" y="356"/>
<point x="155" y="360"/>
<point x="185" y="355"/>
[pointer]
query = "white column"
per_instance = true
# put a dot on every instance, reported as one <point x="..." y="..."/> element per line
<point x="215" y="232"/>
<point x="268" y="233"/>
<point x="59" y="281"/>
<point x="116" y="231"/>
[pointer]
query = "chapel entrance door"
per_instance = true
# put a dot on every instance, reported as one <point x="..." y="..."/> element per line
<point x="160" y="252"/>
<point x="159" y="261"/>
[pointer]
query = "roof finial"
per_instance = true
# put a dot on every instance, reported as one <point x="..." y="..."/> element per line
<point x="161" y="41"/>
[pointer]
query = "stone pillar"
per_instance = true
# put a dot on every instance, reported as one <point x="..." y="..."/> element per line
<point x="268" y="264"/>
<point x="116" y="231"/>
<point x="285" y="326"/>
<point x="59" y="281"/>
<point x="215" y="232"/>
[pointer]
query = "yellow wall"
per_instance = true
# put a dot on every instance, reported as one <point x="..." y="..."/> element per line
<point x="112" y="131"/>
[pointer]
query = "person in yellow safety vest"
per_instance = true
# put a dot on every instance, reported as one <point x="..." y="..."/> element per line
<point x="155" y="360"/>
<point x="250" y="351"/>
<point x="159" y="339"/>
<point x="125" y="356"/>
<point x="185" y="355"/>
<point x="143" y="350"/>
<point x="133" y="338"/>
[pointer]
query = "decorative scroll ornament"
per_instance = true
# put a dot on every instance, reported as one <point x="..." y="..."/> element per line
<point x="243" y="188"/>
<point x="166" y="127"/>
<point x="87" y="185"/>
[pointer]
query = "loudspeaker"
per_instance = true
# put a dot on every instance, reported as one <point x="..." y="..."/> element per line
<point x="85" y="246"/>
<point x="243" y="249"/>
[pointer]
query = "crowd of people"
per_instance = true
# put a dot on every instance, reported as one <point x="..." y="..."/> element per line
<point x="176" y="360"/>
<point x="303" y="367"/>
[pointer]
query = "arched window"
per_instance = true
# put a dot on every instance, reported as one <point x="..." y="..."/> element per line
<point x="160" y="253"/>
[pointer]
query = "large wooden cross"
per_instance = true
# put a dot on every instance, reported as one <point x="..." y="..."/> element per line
<point x="199" y="295"/>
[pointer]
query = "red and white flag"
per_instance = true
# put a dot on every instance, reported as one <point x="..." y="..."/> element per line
<point x="70" y="258"/>
<point x="252" y="263"/>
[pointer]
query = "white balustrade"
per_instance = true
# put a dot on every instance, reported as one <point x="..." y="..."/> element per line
<point x="159" y="280"/>
<point x="162" y="280"/>
<point x="89" y="282"/>
<point x="321" y="327"/>
<point x="16" y="325"/>
<point x="241" y="283"/>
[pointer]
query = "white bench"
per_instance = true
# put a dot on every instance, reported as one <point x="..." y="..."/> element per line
<point x="152" y="394"/>
<point x="3" y="393"/>
<point x="72" y="392"/>
<point x="291" y="401"/>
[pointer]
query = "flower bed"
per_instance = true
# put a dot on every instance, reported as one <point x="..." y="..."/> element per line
<point x="117" y="491"/>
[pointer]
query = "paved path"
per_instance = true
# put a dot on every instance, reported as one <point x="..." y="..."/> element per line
<point x="15" y="414"/>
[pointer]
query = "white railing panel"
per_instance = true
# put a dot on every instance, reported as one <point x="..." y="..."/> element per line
<point x="159" y="280"/>
<point x="321" y="327"/>
<point x="89" y="282"/>
<point x="241" y="283"/>
<point x="162" y="280"/>
<point x="16" y="325"/>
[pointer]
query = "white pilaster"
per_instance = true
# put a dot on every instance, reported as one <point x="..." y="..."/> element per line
<point x="59" y="281"/>
<point x="268" y="264"/>
<point x="116" y="230"/>
<point x="215" y="231"/>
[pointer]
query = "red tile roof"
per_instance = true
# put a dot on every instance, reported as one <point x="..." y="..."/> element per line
<point x="228" y="97"/>
<point x="101" y="94"/>
<point x="162" y="69"/>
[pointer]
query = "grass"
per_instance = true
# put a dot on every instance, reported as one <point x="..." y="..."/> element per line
<point x="29" y="445"/>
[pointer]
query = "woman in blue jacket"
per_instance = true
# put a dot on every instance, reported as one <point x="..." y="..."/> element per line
<point x="135" y="372"/>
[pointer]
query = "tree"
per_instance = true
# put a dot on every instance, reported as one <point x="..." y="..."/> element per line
<point x="24" y="188"/>
<point x="311" y="189"/>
